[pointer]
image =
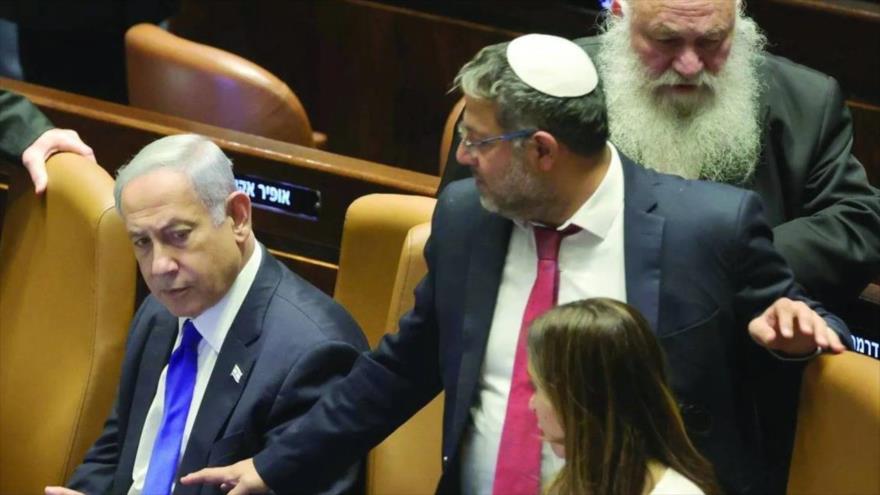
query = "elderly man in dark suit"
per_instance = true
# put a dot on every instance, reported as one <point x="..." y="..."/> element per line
<point x="692" y="92"/>
<point x="230" y="348"/>
<point x="696" y="258"/>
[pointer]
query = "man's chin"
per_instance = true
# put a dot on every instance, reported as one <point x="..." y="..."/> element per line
<point x="487" y="203"/>
<point x="684" y="101"/>
<point x="179" y="302"/>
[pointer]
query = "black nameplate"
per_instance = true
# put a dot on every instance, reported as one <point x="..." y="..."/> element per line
<point x="281" y="197"/>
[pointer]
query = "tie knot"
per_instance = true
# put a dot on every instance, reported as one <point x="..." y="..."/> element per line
<point x="547" y="240"/>
<point x="191" y="336"/>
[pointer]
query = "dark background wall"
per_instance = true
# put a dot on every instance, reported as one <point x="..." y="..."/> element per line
<point x="374" y="75"/>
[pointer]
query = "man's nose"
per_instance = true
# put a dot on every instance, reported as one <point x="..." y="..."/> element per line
<point x="464" y="156"/>
<point x="163" y="261"/>
<point x="688" y="63"/>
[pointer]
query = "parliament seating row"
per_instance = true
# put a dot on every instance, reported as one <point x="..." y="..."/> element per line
<point x="67" y="277"/>
<point x="397" y="225"/>
<point x="60" y="355"/>
<point x="306" y="233"/>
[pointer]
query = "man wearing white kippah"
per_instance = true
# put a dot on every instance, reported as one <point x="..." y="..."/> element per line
<point x="554" y="214"/>
<point x="692" y="91"/>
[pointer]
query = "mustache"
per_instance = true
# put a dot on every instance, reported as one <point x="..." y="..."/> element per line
<point x="703" y="79"/>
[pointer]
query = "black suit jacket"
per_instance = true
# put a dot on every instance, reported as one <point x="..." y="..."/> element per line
<point x="291" y="342"/>
<point x="699" y="263"/>
<point x="21" y="123"/>
<point x="825" y="216"/>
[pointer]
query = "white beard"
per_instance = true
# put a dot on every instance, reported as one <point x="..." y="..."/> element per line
<point x="714" y="135"/>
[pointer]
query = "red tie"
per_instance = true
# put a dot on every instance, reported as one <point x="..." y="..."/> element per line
<point x="518" y="470"/>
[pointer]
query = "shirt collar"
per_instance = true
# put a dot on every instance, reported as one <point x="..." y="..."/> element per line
<point x="214" y="323"/>
<point x="599" y="211"/>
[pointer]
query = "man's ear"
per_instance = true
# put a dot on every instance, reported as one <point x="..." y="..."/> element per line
<point x="547" y="148"/>
<point x="238" y="207"/>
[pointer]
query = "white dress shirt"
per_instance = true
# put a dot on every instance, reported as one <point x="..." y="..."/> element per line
<point x="591" y="264"/>
<point x="213" y="324"/>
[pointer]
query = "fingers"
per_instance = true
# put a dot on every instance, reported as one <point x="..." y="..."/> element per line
<point x="794" y="328"/>
<point x="213" y="476"/>
<point x="786" y="312"/>
<point x="57" y="140"/>
<point x="72" y="142"/>
<point x="51" y="142"/>
<point x="60" y="490"/>
<point x="240" y="489"/>
<point x="834" y="343"/>
<point x="763" y="329"/>
<point x="37" y="170"/>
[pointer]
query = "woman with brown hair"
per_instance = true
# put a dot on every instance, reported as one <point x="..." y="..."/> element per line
<point x="603" y="402"/>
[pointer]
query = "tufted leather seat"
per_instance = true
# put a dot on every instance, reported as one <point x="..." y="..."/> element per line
<point x="67" y="284"/>
<point x="390" y="231"/>
<point x="837" y="444"/>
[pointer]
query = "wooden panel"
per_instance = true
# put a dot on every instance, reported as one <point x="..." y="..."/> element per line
<point x="838" y="37"/>
<point x="373" y="77"/>
<point x="116" y="132"/>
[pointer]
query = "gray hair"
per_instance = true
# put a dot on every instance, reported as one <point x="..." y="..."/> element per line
<point x="197" y="157"/>
<point x="581" y="123"/>
<point x="626" y="7"/>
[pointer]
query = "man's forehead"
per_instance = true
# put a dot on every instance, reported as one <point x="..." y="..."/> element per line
<point x="479" y="114"/>
<point x="707" y="13"/>
<point x="156" y="190"/>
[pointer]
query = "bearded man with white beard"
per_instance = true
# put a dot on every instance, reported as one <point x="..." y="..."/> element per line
<point x="691" y="91"/>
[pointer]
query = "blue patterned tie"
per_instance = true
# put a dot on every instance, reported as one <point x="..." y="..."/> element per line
<point x="180" y="380"/>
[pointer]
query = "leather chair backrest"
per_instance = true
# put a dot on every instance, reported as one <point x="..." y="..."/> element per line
<point x="408" y="461"/>
<point x="837" y="444"/>
<point x="67" y="289"/>
<point x="381" y="262"/>
<point x="449" y="131"/>
<point x="175" y="76"/>
<point x="375" y="228"/>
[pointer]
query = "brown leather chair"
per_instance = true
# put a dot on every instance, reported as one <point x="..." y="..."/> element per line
<point x="390" y="232"/>
<point x="837" y="444"/>
<point x="171" y="75"/>
<point x="449" y="131"/>
<point x="67" y="288"/>
<point x="374" y="231"/>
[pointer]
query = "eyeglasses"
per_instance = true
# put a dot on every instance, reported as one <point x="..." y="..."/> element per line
<point x="471" y="146"/>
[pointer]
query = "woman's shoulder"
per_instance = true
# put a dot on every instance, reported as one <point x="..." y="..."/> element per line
<point x="673" y="483"/>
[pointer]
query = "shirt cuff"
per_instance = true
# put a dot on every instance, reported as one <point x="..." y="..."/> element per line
<point x="782" y="356"/>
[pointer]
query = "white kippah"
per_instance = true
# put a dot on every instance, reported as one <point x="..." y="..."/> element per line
<point x="552" y="65"/>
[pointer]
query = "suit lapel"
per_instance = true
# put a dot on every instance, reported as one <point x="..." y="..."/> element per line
<point x="223" y="390"/>
<point x="483" y="279"/>
<point x="643" y="240"/>
<point x="162" y="334"/>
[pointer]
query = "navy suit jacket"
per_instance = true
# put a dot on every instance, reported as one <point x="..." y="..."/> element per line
<point x="824" y="213"/>
<point x="700" y="264"/>
<point x="290" y="341"/>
